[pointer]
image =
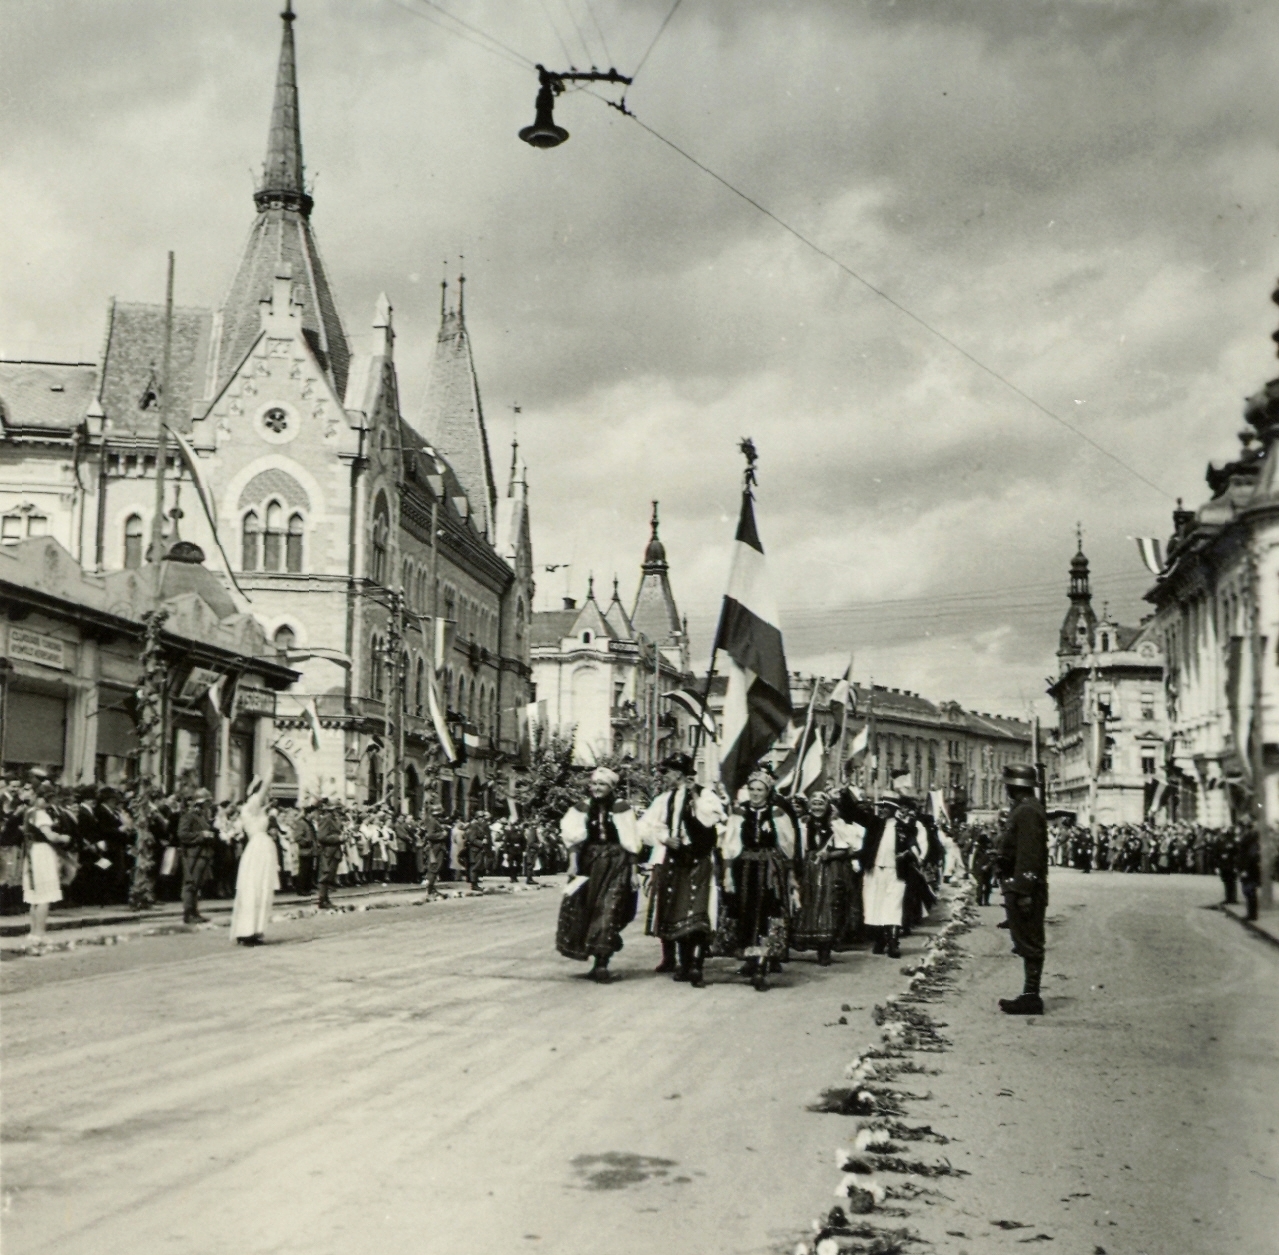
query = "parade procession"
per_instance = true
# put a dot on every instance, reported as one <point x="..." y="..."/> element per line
<point x="744" y="531"/>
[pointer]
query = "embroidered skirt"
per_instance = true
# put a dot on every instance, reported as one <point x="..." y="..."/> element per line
<point x="825" y="894"/>
<point x="684" y="907"/>
<point x="591" y="920"/>
<point x="759" y="903"/>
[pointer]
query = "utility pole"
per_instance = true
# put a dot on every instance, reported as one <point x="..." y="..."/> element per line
<point x="162" y="431"/>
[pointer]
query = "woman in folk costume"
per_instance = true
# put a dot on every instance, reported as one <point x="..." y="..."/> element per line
<point x="758" y="845"/>
<point x="603" y="836"/>
<point x="259" y="874"/>
<point x="893" y="841"/>
<point x="826" y="889"/>
<point x="683" y="825"/>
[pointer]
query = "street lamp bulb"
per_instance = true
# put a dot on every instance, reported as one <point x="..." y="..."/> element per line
<point x="544" y="133"/>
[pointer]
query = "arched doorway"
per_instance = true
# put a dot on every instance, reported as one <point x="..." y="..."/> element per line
<point x="284" y="779"/>
<point x="413" y="790"/>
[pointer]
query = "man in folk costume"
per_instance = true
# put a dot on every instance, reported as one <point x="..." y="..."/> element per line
<point x="682" y="824"/>
<point x="603" y="836"/>
<point x="919" y="897"/>
<point x="892" y="843"/>
<point x="758" y="846"/>
<point x="827" y="867"/>
<point x="1022" y="859"/>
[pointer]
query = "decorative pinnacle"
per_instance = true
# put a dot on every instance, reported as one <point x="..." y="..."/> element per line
<point x="1079" y="537"/>
<point x="653" y="521"/>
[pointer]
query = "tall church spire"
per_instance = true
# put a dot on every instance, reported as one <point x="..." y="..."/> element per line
<point x="281" y="236"/>
<point x="282" y="185"/>
<point x="1078" y="629"/>
<point x="655" y="614"/>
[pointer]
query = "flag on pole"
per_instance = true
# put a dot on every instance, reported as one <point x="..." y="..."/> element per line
<point x="757" y="705"/>
<point x="434" y="698"/>
<point x="204" y="491"/>
<point x="1152" y="553"/>
<point x="312" y="717"/>
<point x="691" y="703"/>
<point x="861" y="743"/>
<point x="812" y="771"/>
<point x="843" y="697"/>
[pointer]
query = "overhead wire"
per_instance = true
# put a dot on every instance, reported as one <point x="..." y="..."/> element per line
<point x="568" y="56"/>
<point x="890" y="299"/>
<point x="599" y="30"/>
<point x="649" y="51"/>
<point x="493" y="45"/>
<point x="581" y="39"/>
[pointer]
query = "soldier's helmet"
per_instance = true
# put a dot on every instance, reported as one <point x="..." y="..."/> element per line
<point x="1021" y="776"/>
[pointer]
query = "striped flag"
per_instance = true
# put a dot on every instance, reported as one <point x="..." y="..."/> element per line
<point x="204" y="491"/>
<point x="1152" y="553"/>
<point x="843" y="695"/>
<point x="757" y="705"/>
<point x="434" y="698"/>
<point x="861" y="743"/>
<point x="691" y="703"/>
<point x="312" y="717"/>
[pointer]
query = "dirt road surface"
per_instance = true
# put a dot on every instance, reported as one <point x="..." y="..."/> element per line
<point x="438" y="1080"/>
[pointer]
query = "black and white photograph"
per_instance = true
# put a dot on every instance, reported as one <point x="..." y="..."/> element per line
<point x="643" y="627"/>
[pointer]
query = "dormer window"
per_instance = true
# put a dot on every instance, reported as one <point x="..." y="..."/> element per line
<point x="586" y="638"/>
<point x="1105" y="642"/>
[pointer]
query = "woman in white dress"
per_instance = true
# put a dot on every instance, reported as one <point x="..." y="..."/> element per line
<point x="259" y="875"/>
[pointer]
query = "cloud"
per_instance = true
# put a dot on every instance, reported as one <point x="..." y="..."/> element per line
<point x="1078" y="194"/>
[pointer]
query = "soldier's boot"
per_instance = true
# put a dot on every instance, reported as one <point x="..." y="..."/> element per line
<point x="894" y="948"/>
<point x="684" y="949"/>
<point x="668" y="958"/>
<point x="823" y="956"/>
<point x="1029" y="1001"/>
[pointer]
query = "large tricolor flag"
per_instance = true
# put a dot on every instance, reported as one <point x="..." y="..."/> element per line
<point x="1152" y="553"/>
<point x="757" y="705"/>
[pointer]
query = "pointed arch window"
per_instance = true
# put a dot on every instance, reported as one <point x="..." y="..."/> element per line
<point x="285" y="638"/>
<point x="448" y="690"/>
<point x="133" y="542"/>
<point x="419" y="689"/>
<point x="377" y="685"/>
<point x="293" y="544"/>
<point x="251" y="542"/>
<point x="378" y="558"/>
<point x="273" y="538"/>
<point x="405" y="667"/>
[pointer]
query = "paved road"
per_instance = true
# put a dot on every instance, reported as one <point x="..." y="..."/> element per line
<point x="437" y="1080"/>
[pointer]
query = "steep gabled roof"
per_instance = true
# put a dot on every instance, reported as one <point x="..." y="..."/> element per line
<point x="280" y="237"/>
<point x="46" y="396"/>
<point x="654" y="613"/>
<point x="134" y="362"/>
<point x="547" y="628"/>
<point x="453" y="417"/>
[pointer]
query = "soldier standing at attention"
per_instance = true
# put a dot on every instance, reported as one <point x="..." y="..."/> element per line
<point x="328" y="848"/>
<point x="1023" y="873"/>
<point x="196" y="837"/>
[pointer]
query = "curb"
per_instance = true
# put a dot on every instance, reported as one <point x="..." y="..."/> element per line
<point x="51" y="945"/>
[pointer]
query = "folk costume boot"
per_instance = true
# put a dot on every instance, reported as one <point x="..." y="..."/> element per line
<point x="1029" y="1002"/>
<point x="894" y="949"/>
<point x="600" y="973"/>
<point x="695" y="977"/>
<point x="881" y="940"/>
<point x="668" y="957"/>
<point x="684" y="949"/>
<point x="823" y="956"/>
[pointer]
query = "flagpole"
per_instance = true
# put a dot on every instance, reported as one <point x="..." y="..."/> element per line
<point x="872" y="756"/>
<point x="803" y="742"/>
<point x="843" y="723"/>
<point x="162" y="431"/>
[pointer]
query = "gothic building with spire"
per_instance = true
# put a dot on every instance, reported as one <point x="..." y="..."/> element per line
<point x="1106" y="759"/>
<point x="370" y="544"/>
<point x="602" y="674"/>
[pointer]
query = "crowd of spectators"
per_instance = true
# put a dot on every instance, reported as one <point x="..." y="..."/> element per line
<point x="99" y="847"/>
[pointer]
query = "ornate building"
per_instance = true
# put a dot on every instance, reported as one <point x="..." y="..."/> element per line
<point x="1217" y="616"/>
<point x="601" y="673"/>
<point x="350" y="530"/>
<point x="1107" y="753"/>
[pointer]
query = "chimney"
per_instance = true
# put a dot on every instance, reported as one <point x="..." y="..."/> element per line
<point x="570" y="603"/>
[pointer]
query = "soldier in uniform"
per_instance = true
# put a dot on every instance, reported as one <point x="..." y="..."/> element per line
<point x="196" y="837"/>
<point x="328" y="848"/>
<point x="513" y="847"/>
<point x="983" y="866"/>
<point x="436" y="836"/>
<point x="1023" y="870"/>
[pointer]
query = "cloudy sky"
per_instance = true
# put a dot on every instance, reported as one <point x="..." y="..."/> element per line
<point x="1081" y="194"/>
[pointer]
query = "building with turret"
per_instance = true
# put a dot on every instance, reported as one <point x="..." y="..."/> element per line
<point x="601" y="674"/>
<point x="350" y="528"/>
<point x="1106" y="760"/>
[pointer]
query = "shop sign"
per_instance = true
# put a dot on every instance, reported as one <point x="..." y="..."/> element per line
<point x="254" y="702"/>
<point x="45" y="651"/>
<point x="624" y="647"/>
<point x="198" y="683"/>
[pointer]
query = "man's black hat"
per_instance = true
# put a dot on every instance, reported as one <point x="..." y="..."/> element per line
<point x="1021" y="776"/>
<point x="683" y="763"/>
